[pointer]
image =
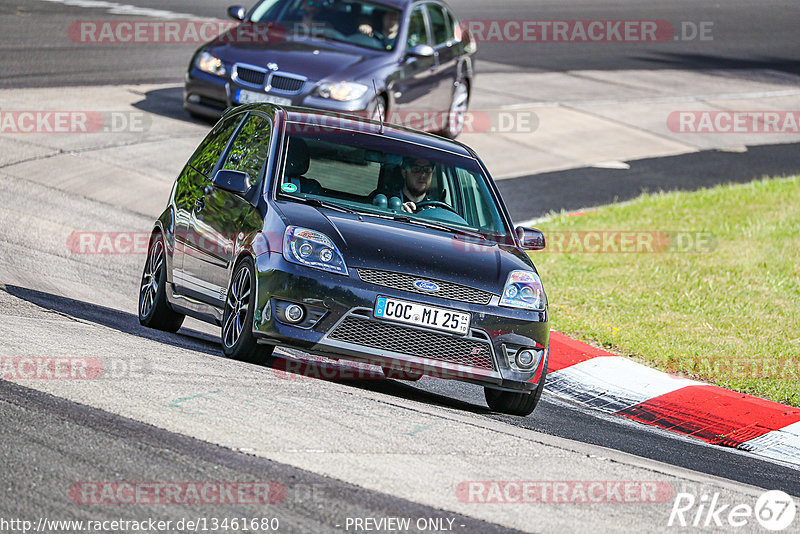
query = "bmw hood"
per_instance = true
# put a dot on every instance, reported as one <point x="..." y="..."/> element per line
<point x="315" y="59"/>
<point x="388" y="245"/>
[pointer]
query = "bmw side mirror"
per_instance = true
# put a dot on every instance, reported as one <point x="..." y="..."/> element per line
<point x="237" y="12"/>
<point x="531" y="238"/>
<point x="234" y="181"/>
<point x="421" y="50"/>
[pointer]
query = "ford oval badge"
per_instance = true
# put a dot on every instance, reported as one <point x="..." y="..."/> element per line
<point x="426" y="285"/>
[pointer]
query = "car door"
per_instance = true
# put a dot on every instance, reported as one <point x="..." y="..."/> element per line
<point x="220" y="216"/>
<point x="412" y="89"/>
<point x="194" y="178"/>
<point x="443" y="41"/>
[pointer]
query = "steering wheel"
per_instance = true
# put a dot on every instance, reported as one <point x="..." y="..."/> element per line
<point x="428" y="204"/>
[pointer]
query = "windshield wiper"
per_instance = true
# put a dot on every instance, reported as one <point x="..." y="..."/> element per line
<point x="438" y="226"/>
<point x="317" y="203"/>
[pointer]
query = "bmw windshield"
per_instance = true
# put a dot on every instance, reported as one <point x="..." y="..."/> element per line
<point x="359" y="23"/>
<point x="375" y="175"/>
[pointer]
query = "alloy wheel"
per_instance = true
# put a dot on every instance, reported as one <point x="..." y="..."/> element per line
<point x="236" y="307"/>
<point x="458" y="109"/>
<point x="150" y="278"/>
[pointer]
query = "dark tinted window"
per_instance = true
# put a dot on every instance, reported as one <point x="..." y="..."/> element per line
<point x="452" y="22"/>
<point x="416" y="29"/>
<point x="438" y="25"/>
<point x="208" y="153"/>
<point x="250" y="148"/>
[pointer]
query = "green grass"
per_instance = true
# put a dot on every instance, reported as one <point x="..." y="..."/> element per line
<point x="729" y="314"/>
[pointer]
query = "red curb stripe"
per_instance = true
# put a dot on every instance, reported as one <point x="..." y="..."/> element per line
<point x="713" y="414"/>
<point x="566" y="352"/>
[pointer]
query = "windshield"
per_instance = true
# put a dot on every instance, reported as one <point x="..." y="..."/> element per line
<point x="363" y="24"/>
<point x="380" y="176"/>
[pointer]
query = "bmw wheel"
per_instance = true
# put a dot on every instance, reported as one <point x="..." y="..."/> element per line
<point x="154" y="310"/>
<point x="238" y="341"/>
<point x="458" y="110"/>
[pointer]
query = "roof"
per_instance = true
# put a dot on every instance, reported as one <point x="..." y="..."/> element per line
<point x="351" y="122"/>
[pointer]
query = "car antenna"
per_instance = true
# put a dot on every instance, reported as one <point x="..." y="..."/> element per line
<point x="380" y="111"/>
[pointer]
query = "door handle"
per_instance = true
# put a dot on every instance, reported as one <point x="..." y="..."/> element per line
<point x="199" y="204"/>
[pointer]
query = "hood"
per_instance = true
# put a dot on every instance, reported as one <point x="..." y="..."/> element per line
<point x="401" y="247"/>
<point x="296" y="56"/>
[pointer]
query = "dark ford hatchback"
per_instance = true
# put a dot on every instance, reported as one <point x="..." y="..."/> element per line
<point x="345" y="238"/>
<point x="410" y="59"/>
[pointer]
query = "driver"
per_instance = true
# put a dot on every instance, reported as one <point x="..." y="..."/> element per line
<point x="417" y="175"/>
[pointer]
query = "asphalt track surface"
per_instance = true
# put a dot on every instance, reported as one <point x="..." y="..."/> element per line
<point x="48" y="441"/>
<point x="748" y="37"/>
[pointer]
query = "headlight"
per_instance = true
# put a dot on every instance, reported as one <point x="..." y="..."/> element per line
<point x="210" y="64"/>
<point x="524" y="290"/>
<point x="312" y="249"/>
<point x="341" y="90"/>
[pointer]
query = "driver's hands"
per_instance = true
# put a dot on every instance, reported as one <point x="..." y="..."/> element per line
<point x="366" y="29"/>
<point x="409" y="207"/>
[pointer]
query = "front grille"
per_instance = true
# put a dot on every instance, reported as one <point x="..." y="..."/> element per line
<point x="404" y="340"/>
<point x="405" y="282"/>
<point x="284" y="83"/>
<point x="256" y="77"/>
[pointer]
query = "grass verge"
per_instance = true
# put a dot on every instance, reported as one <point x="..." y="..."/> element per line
<point x="708" y="286"/>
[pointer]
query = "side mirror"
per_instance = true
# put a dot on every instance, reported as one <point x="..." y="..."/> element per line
<point x="237" y="12"/>
<point x="531" y="238"/>
<point x="421" y="50"/>
<point x="234" y="181"/>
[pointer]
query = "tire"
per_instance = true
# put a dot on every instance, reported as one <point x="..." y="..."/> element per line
<point x="236" y="334"/>
<point x="154" y="310"/>
<point x="459" y="104"/>
<point x="513" y="403"/>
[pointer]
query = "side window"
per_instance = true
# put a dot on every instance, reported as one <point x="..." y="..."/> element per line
<point x="438" y="25"/>
<point x="476" y="211"/>
<point x="208" y="153"/>
<point x="250" y="148"/>
<point x="416" y="29"/>
<point x="452" y="23"/>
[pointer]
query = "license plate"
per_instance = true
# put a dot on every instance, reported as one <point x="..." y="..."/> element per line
<point x="414" y="313"/>
<point x="243" y="96"/>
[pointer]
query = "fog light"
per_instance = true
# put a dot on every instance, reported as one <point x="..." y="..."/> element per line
<point x="525" y="358"/>
<point x="294" y="313"/>
<point x="194" y="99"/>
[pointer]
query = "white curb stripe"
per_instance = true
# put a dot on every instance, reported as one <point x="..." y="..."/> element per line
<point x="612" y="383"/>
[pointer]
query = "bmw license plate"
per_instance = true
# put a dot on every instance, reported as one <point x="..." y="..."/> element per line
<point x="414" y="313"/>
<point x="243" y="96"/>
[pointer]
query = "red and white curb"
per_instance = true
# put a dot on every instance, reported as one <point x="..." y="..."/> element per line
<point x="613" y="384"/>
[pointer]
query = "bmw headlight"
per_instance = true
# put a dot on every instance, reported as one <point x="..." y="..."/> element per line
<point x="524" y="289"/>
<point x="341" y="90"/>
<point x="210" y="64"/>
<point x="312" y="249"/>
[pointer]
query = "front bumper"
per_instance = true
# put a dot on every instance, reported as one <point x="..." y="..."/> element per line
<point x="210" y="95"/>
<point x="346" y="328"/>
